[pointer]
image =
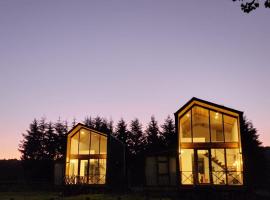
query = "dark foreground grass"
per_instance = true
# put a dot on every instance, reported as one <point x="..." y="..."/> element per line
<point x="55" y="196"/>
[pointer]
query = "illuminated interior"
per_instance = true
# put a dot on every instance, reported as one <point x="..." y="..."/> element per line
<point x="86" y="157"/>
<point x="209" y="145"/>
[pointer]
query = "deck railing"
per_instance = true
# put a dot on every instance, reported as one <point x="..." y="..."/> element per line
<point x="93" y="179"/>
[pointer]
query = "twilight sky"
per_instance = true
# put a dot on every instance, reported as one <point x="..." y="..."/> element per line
<point x="129" y="59"/>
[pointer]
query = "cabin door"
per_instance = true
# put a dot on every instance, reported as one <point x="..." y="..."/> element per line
<point x="202" y="164"/>
<point x="83" y="171"/>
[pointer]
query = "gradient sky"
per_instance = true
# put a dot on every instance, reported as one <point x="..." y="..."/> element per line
<point x="129" y="59"/>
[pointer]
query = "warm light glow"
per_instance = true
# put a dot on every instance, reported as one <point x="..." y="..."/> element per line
<point x="196" y="127"/>
<point x="93" y="146"/>
<point x="92" y="151"/>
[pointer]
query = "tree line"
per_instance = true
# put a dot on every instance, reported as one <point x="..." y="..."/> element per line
<point x="46" y="140"/>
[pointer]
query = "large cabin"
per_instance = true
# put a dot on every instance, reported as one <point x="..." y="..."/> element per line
<point x="208" y="150"/>
<point x="209" y="144"/>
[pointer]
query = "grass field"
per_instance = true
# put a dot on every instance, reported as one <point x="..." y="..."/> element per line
<point x="55" y="196"/>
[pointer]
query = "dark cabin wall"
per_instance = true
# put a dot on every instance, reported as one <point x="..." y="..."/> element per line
<point x="160" y="170"/>
<point x="116" y="163"/>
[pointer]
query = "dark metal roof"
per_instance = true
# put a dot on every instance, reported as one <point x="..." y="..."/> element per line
<point x="86" y="127"/>
<point x="206" y="102"/>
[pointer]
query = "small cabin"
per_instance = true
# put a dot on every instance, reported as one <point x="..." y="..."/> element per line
<point x="94" y="158"/>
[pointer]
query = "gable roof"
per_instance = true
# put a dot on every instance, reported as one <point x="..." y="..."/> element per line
<point x="194" y="100"/>
<point x="79" y="126"/>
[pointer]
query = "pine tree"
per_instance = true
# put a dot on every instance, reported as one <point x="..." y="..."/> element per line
<point x="61" y="130"/>
<point x="253" y="155"/>
<point x="121" y="131"/>
<point x="110" y="126"/>
<point x="135" y="139"/>
<point x="49" y="142"/>
<point x="98" y="123"/>
<point x="153" y="135"/>
<point x="31" y="145"/>
<point x="42" y="126"/>
<point x="74" y="122"/>
<point x="102" y="125"/>
<point x="89" y="122"/>
<point x="168" y="133"/>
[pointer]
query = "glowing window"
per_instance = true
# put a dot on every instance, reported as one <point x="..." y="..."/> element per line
<point x="186" y="164"/>
<point x="200" y="124"/>
<point x="216" y="127"/>
<point x="185" y="128"/>
<point x="94" y="143"/>
<point x="74" y="144"/>
<point x="103" y="145"/>
<point x="84" y="142"/>
<point x="230" y="129"/>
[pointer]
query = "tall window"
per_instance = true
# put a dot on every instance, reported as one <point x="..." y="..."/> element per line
<point x="185" y="128"/>
<point x="84" y="142"/>
<point x="234" y="166"/>
<point x="216" y="127"/>
<point x="230" y="129"/>
<point x="74" y="144"/>
<point x="187" y="166"/>
<point x="218" y="166"/>
<point x="94" y="143"/>
<point x="103" y="145"/>
<point x="200" y="124"/>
